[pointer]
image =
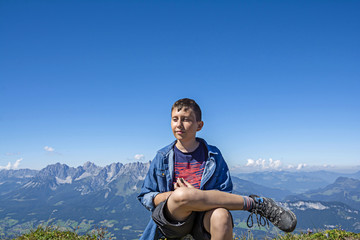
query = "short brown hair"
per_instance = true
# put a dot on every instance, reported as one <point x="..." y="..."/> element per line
<point x="187" y="103"/>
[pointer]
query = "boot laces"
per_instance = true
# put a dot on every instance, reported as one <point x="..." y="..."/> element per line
<point x="263" y="214"/>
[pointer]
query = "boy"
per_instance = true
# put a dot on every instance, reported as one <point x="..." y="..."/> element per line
<point x="182" y="187"/>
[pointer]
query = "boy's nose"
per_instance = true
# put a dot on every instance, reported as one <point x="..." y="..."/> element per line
<point x="179" y="123"/>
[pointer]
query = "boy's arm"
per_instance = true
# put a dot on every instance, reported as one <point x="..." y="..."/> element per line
<point x="161" y="197"/>
<point x="150" y="188"/>
<point x="224" y="182"/>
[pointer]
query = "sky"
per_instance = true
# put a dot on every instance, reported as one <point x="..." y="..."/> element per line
<point x="277" y="81"/>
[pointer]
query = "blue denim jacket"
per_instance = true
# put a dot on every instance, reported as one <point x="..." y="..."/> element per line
<point x="159" y="179"/>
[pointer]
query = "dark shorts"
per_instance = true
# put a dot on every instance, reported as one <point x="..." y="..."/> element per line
<point x="171" y="229"/>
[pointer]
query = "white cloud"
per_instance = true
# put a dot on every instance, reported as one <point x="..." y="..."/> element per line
<point x="301" y="166"/>
<point x="139" y="157"/>
<point x="250" y="163"/>
<point x="264" y="164"/>
<point x="270" y="164"/>
<point x="12" y="166"/>
<point x="7" y="167"/>
<point x="49" y="149"/>
<point x="276" y="165"/>
<point x="298" y="167"/>
<point x="17" y="163"/>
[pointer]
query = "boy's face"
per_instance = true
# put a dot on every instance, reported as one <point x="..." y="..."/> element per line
<point x="184" y="124"/>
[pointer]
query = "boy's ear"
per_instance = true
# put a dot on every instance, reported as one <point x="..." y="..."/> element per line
<point x="200" y="125"/>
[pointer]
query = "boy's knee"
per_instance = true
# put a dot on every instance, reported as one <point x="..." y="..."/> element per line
<point x="221" y="217"/>
<point x="221" y="226"/>
<point x="181" y="196"/>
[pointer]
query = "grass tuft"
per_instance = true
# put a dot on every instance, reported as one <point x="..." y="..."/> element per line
<point x="53" y="233"/>
<point x="335" y="234"/>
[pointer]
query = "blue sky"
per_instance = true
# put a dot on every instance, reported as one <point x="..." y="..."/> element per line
<point x="278" y="81"/>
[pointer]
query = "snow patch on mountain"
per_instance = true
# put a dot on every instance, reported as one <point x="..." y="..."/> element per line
<point x="110" y="176"/>
<point x="302" y="205"/>
<point x="67" y="180"/>
<point x="31" y="184"/>
<point x="84" y="175"/>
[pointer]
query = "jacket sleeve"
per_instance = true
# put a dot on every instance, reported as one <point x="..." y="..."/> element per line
<point x="150" y="187"/>
<point x="223" y="182"/>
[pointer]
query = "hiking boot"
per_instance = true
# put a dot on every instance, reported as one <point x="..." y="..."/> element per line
<point x="268" y="210"/>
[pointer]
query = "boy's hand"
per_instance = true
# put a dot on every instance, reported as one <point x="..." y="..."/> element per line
<point x="182" y="183"/>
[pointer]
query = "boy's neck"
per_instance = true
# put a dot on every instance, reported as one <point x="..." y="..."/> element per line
<point x="187" y="147"/>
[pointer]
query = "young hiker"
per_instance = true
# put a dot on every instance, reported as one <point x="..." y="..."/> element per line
<point x="188" y="187"/>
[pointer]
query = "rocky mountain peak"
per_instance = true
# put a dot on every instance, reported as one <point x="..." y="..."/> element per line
<point x="91" y="168"/>
<point x="56" y="170"/>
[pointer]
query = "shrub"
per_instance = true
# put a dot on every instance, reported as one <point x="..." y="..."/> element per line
<point x="52" y="233"/>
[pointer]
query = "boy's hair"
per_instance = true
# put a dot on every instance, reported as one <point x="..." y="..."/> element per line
<point x="187" y="103"/>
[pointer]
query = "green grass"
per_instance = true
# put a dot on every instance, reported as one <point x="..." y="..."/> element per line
<point x="335" y="234"/>
<point x="53" y="233"/>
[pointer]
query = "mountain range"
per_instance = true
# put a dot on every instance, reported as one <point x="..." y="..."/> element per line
<point x="88" y="196"/>
<point x="345" y="190"/>
<point x="296" y="182"/>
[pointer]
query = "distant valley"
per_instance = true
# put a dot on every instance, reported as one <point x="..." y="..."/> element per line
<point x="90" y="196"/>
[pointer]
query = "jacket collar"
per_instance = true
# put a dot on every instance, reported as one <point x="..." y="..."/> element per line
<point x="168" y="148"/>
